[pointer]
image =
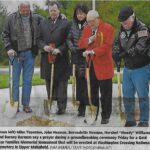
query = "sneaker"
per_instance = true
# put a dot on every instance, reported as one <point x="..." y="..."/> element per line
<point x="143" y="124"/>
<point x="104" y="121"/>
<point x="27" y="109"/>
<point x="130" y="124"/>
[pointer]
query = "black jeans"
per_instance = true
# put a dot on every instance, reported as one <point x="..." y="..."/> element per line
<point x="105" y="87"/>
<point x="81" y="88"/>
<point x="59" y="92"/>
<point x="81" y="85"/>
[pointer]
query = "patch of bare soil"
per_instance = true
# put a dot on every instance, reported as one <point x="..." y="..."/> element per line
<point x="39" y="121"/>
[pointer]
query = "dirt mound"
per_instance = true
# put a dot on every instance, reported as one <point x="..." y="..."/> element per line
<point x="39" y="121"/>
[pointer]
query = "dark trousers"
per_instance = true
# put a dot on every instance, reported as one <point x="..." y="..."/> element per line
<point x="59" y="92"/>
<point x="81" y="92"/>
<point x="105" y="87"/>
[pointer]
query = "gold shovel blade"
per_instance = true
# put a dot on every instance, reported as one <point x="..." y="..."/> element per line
<point x="122" y="115"/>
<point x="92" y="110"/>
<point x="75" y="103"/>
<point x="90" y="114"/>
<point x="10" y="109"/>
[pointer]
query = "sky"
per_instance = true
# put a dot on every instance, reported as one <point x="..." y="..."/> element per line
<point x="12" y="5"/>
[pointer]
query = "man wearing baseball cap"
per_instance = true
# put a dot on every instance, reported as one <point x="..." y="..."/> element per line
<point x="131" y="44"/>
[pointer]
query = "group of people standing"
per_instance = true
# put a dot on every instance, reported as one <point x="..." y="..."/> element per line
<point x="90" y="41"/>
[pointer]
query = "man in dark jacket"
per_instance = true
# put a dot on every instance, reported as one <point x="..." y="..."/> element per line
<point x="131" y="45"/>
<point x="53" y="34"/>
<point x="19" y="36"/>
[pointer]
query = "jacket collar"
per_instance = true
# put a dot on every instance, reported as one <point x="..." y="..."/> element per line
<point x="52" y="26"/>
<point x="134" y="27"/>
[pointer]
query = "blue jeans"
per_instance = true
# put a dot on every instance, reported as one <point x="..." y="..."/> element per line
<point x="23" y="62"/>
<point x="136" y="80"/>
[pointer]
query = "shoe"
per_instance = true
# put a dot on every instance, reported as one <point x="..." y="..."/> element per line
<point x="18" y="110"/>
<point x="143" y="124"/>
<point x="104" y="121"/>
<point x="81" y="114"/>
<point x="130" y="124"/>
<point x="60" y="112"/>
<point x="27" y="109"/>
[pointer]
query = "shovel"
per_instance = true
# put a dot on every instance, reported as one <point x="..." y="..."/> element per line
<point x="73" y="85"/>
<point x="11" y="106"/>
<point x="122" y="114"/>
<point x="91" y="110"/>
<point x="74" y="100"/>
<point x="48" y="102"/>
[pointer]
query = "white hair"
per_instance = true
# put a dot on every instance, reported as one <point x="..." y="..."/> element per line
<point x="93" y="13"/>
<point x="26" y="3"/>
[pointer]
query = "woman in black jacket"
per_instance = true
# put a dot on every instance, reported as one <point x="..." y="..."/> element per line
<point x="78" y="23"/>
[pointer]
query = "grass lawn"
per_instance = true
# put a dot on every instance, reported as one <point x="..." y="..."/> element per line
<point x="4" y="80"/>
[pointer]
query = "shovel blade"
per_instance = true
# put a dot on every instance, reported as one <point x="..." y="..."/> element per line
<point x="90" y="114"/>
<point x="122" y="115"/>
<point x="46" y="107"/>
<point x="53" y="109"/>
<point x="75" y="103"/>
<point x="10" y="109"/>
<point x="50" y="109"/>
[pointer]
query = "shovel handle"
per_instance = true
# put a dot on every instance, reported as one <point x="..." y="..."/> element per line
<point x="51" y="58"/>
<point x="119" y="84"/>
<point x="88" y="79"/>
<point x="74" y="82"/>
<point x="118" y="64"/>
<point x="11" y="61"/>
<point x="51" y="84"/>
<point x="88" y="61"/>
<point x="88" y="85"/>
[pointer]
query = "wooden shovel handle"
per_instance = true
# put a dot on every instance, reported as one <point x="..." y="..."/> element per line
<point x="119" y="84"/>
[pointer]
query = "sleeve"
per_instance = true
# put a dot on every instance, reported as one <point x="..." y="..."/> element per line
<point x="6" y="35"/>
<point x="63" y="46"/>
<point x="40" y="41"/>
<point x="117" y="52"/>
<point x="108" y="37"/>
<point x="83" y="42"/>
<point x="141" y="45"/>
<point x="70" y="39"/>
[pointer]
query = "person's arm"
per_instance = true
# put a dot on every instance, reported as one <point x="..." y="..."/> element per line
<point x="70" y="40"/>
<point x="140" y="46"/>
<point x="107" y="38"/>
<point x="40" y="42"/>
<point x="117" y="52"/>
<point x="6" y="35"/>
<point x="63" y="46"/>
<point x="83" y="42"/>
